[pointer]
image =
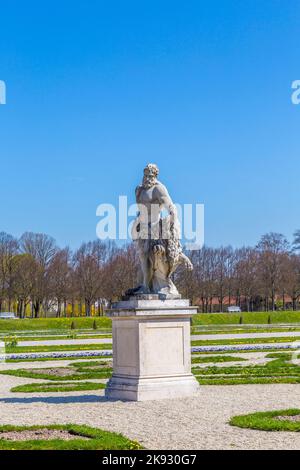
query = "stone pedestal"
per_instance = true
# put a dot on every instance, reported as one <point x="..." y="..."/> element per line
<point x="151" y="349"/>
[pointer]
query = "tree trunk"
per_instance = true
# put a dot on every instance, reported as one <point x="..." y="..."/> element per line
<point x="58" y="308"/>
<point x="87" y="308"/>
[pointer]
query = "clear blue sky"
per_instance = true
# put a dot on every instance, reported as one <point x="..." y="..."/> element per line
<point x="96" y="89"/>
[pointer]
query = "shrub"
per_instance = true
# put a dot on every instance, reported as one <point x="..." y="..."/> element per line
<point x="11" y="341"/>
<point x="72" y="335"/>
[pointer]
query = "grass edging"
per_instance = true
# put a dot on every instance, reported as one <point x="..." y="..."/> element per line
<point x="57" y="387"/>
<point x="266" y="421"/>
<point x="99" y="439"/>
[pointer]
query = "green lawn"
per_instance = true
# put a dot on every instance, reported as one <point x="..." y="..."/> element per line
<point x="31" y="324"/>
<point x="247" y="380"/>
<point x="216" y="342"/>
<point x="268" y="421"/>
<point x="214" y="358"/>
<point x="58" y="347"/>
<point x="54" y="387"/>
<point x="61" y="324"/>
<point x="247" y="317"/>
<point x="279" y="370"/>
<point x="232" y="329"/>
<point x="99" y="439"/>
<point x="76" y="373"/>
<point x="58" y="337"/>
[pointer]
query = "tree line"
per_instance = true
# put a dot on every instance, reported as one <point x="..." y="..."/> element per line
<point x="36" y="276"/>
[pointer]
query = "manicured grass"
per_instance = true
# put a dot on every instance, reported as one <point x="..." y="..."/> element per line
<point x="231" y="329"/>
<point x="277" y="371"/>
<point x="58" y="347"/>
<point x="216" y="342"/>
<point x="54" y="387"/>
<point x="55" y="323"/>
<point x="104" y="322"/>
<point x="217" y="359"/>
<point x="231" y="351"/>
<point x="79" y="374"/>
<point x="247" y="317"/>
<point x="246" y="380"/>
<point x="61" y="337"/>
<point x="266" y="421"/>
<point x="285" y="356"/>
<point x="99" y="439"/>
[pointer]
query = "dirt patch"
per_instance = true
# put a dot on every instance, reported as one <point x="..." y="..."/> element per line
<point x="295" y="418"/>
<point x="58" y="371"/>
<point x="40" y="434"/>
<point x="102" y="366"/>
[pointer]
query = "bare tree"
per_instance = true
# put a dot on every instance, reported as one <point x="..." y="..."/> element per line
<point x="291" y="278"/>
<point x="121" y="272"/>
<point x="42" y="248"/>
<point x="59" y="278"/>
<point x="296" y="241"/>
<point x="8" y="250"/>
<point x="246" y="276"/>
<point x="223" y="262"/>
<point x="87" y="273"/>
<point x="270" y="248"/>
<point x="25" y="267"/>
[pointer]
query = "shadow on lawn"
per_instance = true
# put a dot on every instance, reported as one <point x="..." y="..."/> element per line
<point x="57" y="400"/>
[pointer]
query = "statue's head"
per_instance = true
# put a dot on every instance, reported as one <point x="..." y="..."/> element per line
<point x="150" y="175"/>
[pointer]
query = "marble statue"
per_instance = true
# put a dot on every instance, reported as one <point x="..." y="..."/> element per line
<point x="157" y="237"/>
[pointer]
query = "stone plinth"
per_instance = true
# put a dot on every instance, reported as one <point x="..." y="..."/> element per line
<point x="151" y="349"/>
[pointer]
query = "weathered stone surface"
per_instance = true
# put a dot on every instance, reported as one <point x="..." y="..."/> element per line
<point x="157" y="238"/>
<point x="151" y="350"/>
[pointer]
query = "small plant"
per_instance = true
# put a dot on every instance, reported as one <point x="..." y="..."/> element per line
<point x="72" y="335"/>
<point x="11" y="341"/>
<point x="73" y="326"/>
<point x="241" y="320"/>
<point x="94" y="325"/>
<point x="269" y="320"/>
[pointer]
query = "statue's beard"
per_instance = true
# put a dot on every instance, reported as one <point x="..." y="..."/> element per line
<point x="149" y="181"/>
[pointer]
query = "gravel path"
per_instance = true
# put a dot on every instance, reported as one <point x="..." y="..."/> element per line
<point x="198" y="422"/>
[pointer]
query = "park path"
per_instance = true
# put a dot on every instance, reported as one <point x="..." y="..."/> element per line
<point x="199" y="422"/>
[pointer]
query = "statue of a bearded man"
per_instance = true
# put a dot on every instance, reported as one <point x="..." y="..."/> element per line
<point x="157" y="238"/>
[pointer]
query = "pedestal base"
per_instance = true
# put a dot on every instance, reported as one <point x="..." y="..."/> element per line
<point x="151" y="349"/>
<point x="155" y="388"/>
